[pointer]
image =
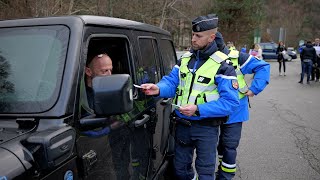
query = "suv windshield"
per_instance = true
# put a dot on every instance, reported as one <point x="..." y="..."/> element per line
<point x="31" y="66"/>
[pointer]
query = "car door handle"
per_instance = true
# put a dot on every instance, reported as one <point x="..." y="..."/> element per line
<point x="142" y="121"/>
<point x="165" y="101"/>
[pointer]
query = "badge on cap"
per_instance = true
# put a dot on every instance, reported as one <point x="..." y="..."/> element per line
<point x="198" y="28"/>
<point x="235" y="84"/>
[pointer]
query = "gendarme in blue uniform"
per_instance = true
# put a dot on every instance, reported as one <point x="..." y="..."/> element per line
<point x="261" y="70"/>
<point x="203" y="132"/>
<point x="230" y="132"/>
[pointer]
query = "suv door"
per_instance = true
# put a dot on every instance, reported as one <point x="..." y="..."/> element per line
<point x="168" y="60"/>
<point x="165" y="140"/>
<point x="155" y="62"/>
<point x="148" y="71"/>
<point x="124" y="149"/>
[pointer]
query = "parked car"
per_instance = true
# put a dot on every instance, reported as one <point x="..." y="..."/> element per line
<point x="269" y="51"/>
<point x="292" y="52"/>
<point x="42" y="98"/>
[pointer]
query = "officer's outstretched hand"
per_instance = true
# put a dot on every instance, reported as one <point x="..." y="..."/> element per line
<point x="188" y="110"/>
<point x="150" y="89"/>
<point x="249" y="93"/>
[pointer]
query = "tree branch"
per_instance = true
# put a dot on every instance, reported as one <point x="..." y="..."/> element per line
<point x="163" y="14"/>
<point x="71" y="3"/>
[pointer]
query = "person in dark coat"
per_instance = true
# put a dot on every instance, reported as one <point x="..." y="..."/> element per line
<point x="316" y="66"/>
<point x="308" y="57"/>
<point x="280" y="50"/>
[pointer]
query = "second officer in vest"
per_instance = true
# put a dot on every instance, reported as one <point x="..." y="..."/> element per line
<point x="230" y="132"/>
<point x="205" y="87"/>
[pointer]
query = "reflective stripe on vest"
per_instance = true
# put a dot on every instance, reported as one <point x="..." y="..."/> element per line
<point x="198" y="88"/>
<point x="243" y="88"/>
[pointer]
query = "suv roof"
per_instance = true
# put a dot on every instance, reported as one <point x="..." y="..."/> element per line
<point x="86" y="19"/>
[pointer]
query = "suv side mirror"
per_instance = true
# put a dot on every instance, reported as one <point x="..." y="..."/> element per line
<point x="112" y="94"/>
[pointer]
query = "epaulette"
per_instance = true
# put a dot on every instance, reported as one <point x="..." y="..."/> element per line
<point x="187" y="54"/>
<point x="234" y="54"/>
<point x="219" y="57"/>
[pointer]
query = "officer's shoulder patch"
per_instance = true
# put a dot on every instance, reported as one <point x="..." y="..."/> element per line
<point x="233" y="54"/>
<point x="235" y="84"/>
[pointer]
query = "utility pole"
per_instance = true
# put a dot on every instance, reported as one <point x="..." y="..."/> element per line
<point x="282" y="35"/>
<point x="257" y="35"/>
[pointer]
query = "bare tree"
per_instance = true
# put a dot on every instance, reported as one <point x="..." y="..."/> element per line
<point x="237" y="19"/>
<point x="300" y="18"/>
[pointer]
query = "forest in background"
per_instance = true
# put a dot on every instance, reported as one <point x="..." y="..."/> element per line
<point x="238" y="19"/>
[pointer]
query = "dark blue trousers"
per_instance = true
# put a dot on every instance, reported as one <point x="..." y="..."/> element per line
<point x="306" y="68"/>
<point x="204" y="140"/>
<point x="229" y="139"/>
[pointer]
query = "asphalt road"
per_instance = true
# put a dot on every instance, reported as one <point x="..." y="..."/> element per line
<point x="282" y="138"/>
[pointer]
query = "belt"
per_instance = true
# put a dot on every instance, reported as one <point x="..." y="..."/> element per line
<point x="215" y="121"/>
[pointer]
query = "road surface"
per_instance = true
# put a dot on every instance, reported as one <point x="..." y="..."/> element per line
<point x="282" y="138"/>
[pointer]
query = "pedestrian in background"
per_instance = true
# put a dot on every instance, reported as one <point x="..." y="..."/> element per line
<point x="280" y="51"/>
<point x="308" y="57"/>
<point x="205" y="87"/>
<point x="230" y="132"/>
<point x="230" y="45"/>
<point x="256" y="51"/>
<point x="315" y="73"/>
<point x="244" y="49"/>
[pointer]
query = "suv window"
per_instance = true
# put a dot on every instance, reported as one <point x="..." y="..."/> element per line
<point x="168" y="57"/>
<point x="33" y="86"/>
<point x="122" y="143"/>
<point x="148" y="68"/>
<point x="116" y="47"/>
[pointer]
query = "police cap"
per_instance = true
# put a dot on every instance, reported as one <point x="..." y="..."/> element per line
<point x="204" y="23"/>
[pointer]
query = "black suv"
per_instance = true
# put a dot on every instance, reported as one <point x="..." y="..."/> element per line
<point x="43" y="99"/>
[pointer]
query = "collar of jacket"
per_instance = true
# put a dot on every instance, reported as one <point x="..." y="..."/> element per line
<point x="206" y="52"/>
<point x="309" y="45"/>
